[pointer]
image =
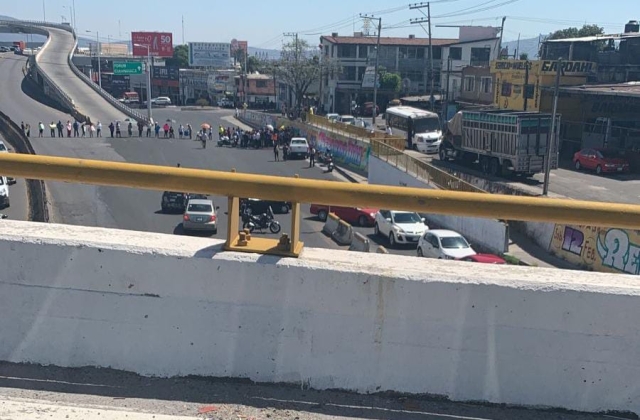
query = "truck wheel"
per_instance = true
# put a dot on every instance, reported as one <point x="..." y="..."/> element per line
<point x="443" y="155"/>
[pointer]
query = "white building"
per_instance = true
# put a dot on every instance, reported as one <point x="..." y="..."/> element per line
<point x="477" y="47"/>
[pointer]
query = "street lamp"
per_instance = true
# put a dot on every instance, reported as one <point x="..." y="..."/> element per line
<point x="98" y="52"/>
<point x="148" y="78"/>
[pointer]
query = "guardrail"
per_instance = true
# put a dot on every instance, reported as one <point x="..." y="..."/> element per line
<point x="297" y="190"/>
<point x="356" y="132"/>
<point x="420" y="169"/>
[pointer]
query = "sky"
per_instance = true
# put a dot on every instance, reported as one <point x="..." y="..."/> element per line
<point x="263" y="22"/>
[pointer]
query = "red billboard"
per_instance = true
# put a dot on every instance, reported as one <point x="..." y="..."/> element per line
<point x="160" y="44"/>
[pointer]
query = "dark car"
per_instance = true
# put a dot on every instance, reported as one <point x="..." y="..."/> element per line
<point x="259" y="206"/>
<point x="176" y="201"/>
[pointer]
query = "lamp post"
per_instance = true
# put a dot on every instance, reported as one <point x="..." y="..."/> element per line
<point x="98" y="52"/>
<point x="148" y="79"/>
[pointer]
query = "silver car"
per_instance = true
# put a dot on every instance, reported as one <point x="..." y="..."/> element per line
<point x="200" y="215"/>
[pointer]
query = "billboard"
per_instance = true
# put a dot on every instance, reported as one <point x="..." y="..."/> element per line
<point x="210" y="54"/>
<point x="238" y="45"/>
<point x="160" y="44"/>
<point x="165" y="73"/>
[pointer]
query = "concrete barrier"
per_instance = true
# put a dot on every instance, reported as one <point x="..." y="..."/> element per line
<point x="343" y="234"/>
<point x="382" y="250"/>
<point x="360" y="243"/>
<point x="331" y="224"/>
<point x="165" y="305"/>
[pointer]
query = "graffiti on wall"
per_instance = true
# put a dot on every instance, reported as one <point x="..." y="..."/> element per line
<point x="599" y="249"/>
<point x="345" y="151"/>
<point x="258" y="119"/>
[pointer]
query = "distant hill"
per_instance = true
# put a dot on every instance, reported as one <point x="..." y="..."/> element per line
<point x="528" y="46"/>
<point x="264" y="53"/>
<point x="3" y="17"/>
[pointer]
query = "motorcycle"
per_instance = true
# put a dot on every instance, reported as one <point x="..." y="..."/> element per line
<point x="329" y="161"/>
<point x="224" y="141"/>
<point x="261" y="222"/>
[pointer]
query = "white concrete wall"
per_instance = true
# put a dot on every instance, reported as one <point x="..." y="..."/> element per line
<point x="489" y="233"/>
<point x="168" y="305"/>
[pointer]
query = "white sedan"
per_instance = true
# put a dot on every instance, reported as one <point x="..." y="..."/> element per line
<point x="400" y="227"/>
<point x="444" y="244"/>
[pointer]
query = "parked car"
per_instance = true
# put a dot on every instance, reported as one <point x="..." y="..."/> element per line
<point x="444" y="244"/>
<point x="359" y="122"/>
<point x="600" y="160"/>
<point x="259" y="206"/>
<point x="200" y="215"/>
<point x="346" y="119"/>
<point x="353" y="215"/>
<point x="298" y="148"/>
<point x="4" y="49"/>
<point x="400" y="227"/>
<point x="161" y="101"/>
<point x="4" y="192"/>
<point x="484" y="259"/>
<point x="177" y="201"/>
<point x="333" y="117"/>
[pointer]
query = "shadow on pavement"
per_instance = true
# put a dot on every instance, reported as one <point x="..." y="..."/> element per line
<point x="208" y="391"/>
<point x="35" y="92"/>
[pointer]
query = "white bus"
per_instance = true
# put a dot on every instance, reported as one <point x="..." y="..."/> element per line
<point x="427" y="131"/>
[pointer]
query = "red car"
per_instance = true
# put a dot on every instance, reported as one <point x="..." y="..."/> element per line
<point x="485" y="259"/>
<point x="353" y="215"/>
<point x="600" y="160"/>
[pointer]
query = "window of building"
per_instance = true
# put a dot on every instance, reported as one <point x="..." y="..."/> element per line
<point x="413" y="75"/>
<point x="411" y="52"/>
<point x="480" y="56"/>
<point x="469" y="84"/>
<point x="347" y="51"/>
<point x="486" y="85"/>
<point x="437" y="52"/>
<point x="349" y="73"/>
<point x="506" y="89"/>
<point x="363" y="51"/>
<point x="361" y="71"/>
<point x="261" y="84"/>
<point x="455" y="53"/>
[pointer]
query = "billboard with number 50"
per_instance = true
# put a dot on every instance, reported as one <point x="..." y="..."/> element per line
<point x="160" y="44"/>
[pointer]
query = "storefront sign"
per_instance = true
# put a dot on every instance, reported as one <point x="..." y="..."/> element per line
<point x="569" y="68"/>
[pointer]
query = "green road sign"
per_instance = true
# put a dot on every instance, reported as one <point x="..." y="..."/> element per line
<point x="127" y="68"/>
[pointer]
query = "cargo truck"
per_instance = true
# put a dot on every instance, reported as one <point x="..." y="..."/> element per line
<point x="502" y="142"/>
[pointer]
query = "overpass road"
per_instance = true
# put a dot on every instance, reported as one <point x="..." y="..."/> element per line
<point x="53" y="61"/>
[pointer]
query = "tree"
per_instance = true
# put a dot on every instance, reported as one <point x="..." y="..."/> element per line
<point x="391" y="82"/>
<point x="524" y="56"/>
<point x="300" y="67"/>
<point x="586" y="30"/>
<point x="180" y="57"/>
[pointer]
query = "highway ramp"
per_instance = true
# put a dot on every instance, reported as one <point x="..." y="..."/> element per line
<point x="53" y="61"/>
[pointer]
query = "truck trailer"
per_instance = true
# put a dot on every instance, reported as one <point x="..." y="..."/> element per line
<point x="503" y="142"/>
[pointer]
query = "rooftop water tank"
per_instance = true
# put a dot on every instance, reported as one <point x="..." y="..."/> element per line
<point x="632" y="27"/>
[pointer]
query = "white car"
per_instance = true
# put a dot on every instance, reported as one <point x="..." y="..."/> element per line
<point x="444" y="244"/>
<point x="400" y="227"/>
<point x="161" y="100"/>
<point x="333" y="117"/>
<point x="298" y="147"/>
<point x="4" y="192"/>
<point x="3" y="147"/>
<point x="346" y="119"/>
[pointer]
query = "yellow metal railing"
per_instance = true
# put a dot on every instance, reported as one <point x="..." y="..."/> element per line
<point x="420" y="169"/>
<point x="355" y="132"/>
<point x="296" y="190"/>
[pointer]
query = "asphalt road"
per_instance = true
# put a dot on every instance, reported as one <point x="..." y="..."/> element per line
<point x="19" y="202"/>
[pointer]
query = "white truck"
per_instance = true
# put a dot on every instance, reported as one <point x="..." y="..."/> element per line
<point x="298" y="148"/>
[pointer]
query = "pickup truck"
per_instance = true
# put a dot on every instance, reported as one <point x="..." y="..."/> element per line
<point x="299" y="147"/>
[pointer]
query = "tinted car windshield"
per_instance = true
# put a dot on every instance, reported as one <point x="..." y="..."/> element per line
<point x="201" y="208"/>
<point x="454" y="242"/>
<point x="426" y="125"/>
<point x="298" y="142"/>
<point x="406" y="218"/>
<point x="608" y="154"/>
<point x="3" y="147"/>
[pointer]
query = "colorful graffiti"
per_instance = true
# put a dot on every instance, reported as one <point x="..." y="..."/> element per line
<point x="598" y="249"/>
<point x="348" y="152"/>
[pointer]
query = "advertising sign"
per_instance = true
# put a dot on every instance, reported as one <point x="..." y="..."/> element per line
<point x="210" y="54"/>
<point x="127" y="67"/>
<point x="160" y="44"/>
<point x="239" y="45"/>
<point x="165" y="73"/>
<point x="369" y="75"/>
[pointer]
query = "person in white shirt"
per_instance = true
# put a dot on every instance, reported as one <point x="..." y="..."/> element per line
<point x="389" y="131"/>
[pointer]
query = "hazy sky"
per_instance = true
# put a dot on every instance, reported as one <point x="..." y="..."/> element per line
<point x="262" y="22"/>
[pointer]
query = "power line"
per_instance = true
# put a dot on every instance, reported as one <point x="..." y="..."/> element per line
<point x="470" y="12"/>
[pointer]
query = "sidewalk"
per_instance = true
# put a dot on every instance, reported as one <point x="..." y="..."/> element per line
<point x="520" y="246"/>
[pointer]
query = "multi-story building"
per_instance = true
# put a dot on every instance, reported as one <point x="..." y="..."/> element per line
<point x="260" y="90"/>
<point x="476" y="86"/>
<point x="476" y="47"/>
<point x="408" y="57"/>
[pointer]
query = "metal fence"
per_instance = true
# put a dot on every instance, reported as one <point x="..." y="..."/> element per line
<point x="355" y="132"/>
<point x="420" y="169"/>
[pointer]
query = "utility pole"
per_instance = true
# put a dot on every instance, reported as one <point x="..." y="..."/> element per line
<point x="374" y="108"/>
<point x="420" y="6"/>
<point x="525" y="88"/>
<point x="446" y="107"/>
<point x="552" y="135"/>
<point x="75" y="22"/>
<point x="183" y="31"/>
<point x="44" y="11"/>
<point x="296" y="57"/>
<point x="500" y="42"/>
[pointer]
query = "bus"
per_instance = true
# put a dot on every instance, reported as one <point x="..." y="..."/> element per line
<point x="427" y="131"/>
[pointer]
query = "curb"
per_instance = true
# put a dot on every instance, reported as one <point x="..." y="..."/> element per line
<point x="346" y="175"/>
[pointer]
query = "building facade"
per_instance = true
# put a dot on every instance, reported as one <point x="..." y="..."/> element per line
<point x="408" y="57"/>
<point x="260" y="90"/>
<point x="476" y="87"/>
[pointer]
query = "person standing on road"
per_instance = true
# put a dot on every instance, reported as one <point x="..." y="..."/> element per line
<point x="130" y="129"/>
<point x="22" y="127"/>
<point x="83" y="128"/>
<point x="140" y="128"/>
<point x="189" y="129"/>
<point x="111" y="128"/>
<point x="69" y="128"/>
<point x="389" y="131"/>
<point x="180" y="131"/>
<point x="99" y="129"/>
<point x="92" y="130"/>
<point x="312" y="156"/>
<point x="157" y="130"/>
<point x="60" y="128"/>
<point x="52" y="128"/>
<point x="40" y="129"/>
<point x="118" y="132"/>
<point x="28" y="128"/>
<point x="276" y="152"/>
<point x="75" y="129"/>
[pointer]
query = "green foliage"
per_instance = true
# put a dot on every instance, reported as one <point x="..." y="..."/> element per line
<point x="391" y="82"/>
<point x="524" y="56"/>
<point x="202" y="102"/>
<point x="586" y="30"/>
<point x="180" y="57"/>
